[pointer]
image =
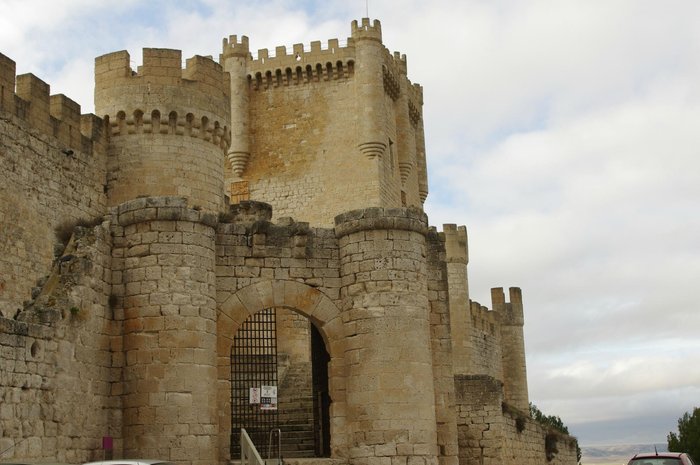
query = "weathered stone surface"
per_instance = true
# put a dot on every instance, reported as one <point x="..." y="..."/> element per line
<point x="122" y="323"/>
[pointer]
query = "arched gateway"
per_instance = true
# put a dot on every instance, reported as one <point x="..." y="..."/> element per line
<point x="254" y="303"/>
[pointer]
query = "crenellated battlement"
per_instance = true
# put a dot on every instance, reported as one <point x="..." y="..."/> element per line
<point x="455" y="238"/>
<point x="482" y="318"/>
<point x="233" y="47"/>
<point x="502" y="312"/>
<point x="28" y="98"/>
<point x="161" y="67"/>
<point x="401" y="63"/>
<point x="132" y="102"/>
<point x="169" y="126"/>
<point x="511" y="313"/>
<point x="366" y="31"/>
<point x="302" y="66"/>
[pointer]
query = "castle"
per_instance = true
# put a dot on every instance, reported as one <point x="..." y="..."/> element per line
<point x="237" y="225"/>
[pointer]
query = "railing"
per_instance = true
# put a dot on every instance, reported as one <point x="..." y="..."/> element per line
<point x="279" y="447"/>
<point x="249" y="454"/>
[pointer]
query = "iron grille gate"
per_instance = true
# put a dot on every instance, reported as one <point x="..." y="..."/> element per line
<point x="253" y="365"/>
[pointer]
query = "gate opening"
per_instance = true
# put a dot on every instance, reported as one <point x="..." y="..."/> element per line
<point x="281" y="349"/>
<point x="253" y="365"/>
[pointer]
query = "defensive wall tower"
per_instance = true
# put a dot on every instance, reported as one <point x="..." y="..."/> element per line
<point x="510" y="316"/>
<point x="457" y="257"/>
<point x="311" y="125"/>
<point x="235" y="61"/>
<point x="168" y="126"/>
<point x="390" y="384"/>
<point x="166" y="261"/>
<point x="369" y="77"/>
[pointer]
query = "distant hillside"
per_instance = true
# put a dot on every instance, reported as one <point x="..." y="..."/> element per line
<point x="617" y="454"/>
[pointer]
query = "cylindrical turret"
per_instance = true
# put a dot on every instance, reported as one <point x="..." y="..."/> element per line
<point x="234" y="59"/>
<point x="422" y="170"/>
<point x="370" y="88"/>
<point x="169" y="342"/>
<point x="168" y="126"/>
<point x="390" y="384"/>
<point x="457" y="259"/>
<point x="405" y="132"/>
<point x="512" y="346"/>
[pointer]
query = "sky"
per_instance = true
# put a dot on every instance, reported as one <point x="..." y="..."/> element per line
<point x="565" y="134"/>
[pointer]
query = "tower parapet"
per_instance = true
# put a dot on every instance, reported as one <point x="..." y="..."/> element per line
<point x="457" y="259"/>
<point x="143" y="109"/>
<point x="52" y="115"/>
<point x="365" y="30"/>
<point x="510" y="315"/>
<point x="302" y="65"/>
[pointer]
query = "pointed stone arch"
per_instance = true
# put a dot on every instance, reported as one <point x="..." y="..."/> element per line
<point x="305" y="300"/>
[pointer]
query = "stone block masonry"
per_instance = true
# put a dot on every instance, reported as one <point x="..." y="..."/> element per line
<point x="47" y="180"/>
<point x="390" y="386"/>
<point x="166" y="261"/>
<point x="123" y="324"/>
<point x="491" y="432"/>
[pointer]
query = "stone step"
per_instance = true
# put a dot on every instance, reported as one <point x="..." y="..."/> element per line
<point x="300" y="412"/>
<point x="291" y="436"/>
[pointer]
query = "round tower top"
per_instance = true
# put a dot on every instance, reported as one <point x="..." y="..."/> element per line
<point x="366" y="31"/>
<point x="202" y="84"/>
<point x="232" y="47"/>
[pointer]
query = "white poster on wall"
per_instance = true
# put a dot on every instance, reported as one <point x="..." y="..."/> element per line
<point x="268" y="398"/>
<point x="254" y="397"/>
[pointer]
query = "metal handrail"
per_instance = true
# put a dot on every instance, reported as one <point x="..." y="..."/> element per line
<point x="279" y="446"/>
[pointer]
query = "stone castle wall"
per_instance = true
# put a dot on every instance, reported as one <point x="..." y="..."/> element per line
<point x="52" y="165"/>
<point x="59" y="363"/>
<point x="127" y="332"/>
<point x="491" y="432"/>
<point x="484" y="342"/>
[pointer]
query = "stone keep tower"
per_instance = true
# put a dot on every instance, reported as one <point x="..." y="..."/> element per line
<point x="320" y="131"/>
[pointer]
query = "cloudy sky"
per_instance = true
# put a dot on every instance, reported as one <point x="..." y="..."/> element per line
<point x="565" y="134"/>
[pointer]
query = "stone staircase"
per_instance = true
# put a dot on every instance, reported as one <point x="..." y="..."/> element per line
<point x="296" y="415"/>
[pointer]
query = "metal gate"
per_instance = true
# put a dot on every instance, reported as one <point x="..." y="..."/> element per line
<point x="254" y="365"/>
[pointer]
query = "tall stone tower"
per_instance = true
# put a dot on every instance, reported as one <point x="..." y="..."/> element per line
<point x="169" y="134"/>
<point x="320" y="131"/>
<point x="513" y="346"/>
<point x="390" y="384"/>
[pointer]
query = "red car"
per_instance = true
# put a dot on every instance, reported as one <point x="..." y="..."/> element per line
<point x="661" y="458"/>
